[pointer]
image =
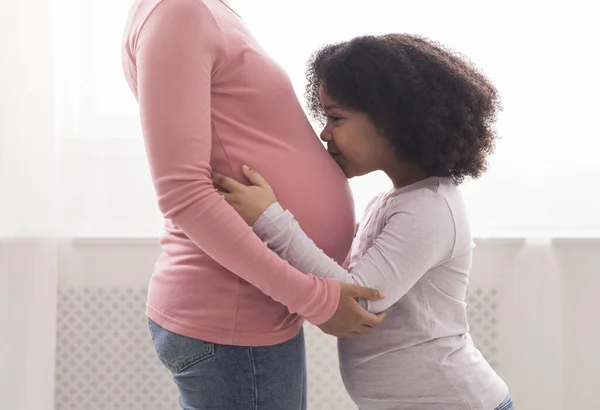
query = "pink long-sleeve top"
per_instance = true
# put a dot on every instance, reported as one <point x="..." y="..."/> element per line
<point x="211" y="98"/>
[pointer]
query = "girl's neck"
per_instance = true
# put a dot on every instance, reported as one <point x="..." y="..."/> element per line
<point x="403" y="174"/>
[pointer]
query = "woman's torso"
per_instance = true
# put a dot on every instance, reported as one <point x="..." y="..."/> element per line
<point x="256" y="120"/>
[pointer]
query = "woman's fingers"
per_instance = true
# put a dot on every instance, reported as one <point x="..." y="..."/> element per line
<point x="361" y="292"/>
<point x="372" y="320"/>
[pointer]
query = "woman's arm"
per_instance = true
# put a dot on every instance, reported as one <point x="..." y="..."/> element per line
<point x="175" y="55"/>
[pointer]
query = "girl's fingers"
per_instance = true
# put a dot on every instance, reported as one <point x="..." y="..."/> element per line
<point x="254" y="177"/>
<point x="229" y="184"/>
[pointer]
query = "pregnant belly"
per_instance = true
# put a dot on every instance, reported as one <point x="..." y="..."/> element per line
<point x="318" y="194"/>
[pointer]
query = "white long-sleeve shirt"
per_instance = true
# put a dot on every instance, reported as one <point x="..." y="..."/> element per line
<point x="415" y="244"/>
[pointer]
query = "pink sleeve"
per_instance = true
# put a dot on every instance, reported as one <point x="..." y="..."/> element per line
<point x="175" y="56"/>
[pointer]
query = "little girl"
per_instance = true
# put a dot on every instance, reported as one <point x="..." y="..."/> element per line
<point x="424" y="116"/>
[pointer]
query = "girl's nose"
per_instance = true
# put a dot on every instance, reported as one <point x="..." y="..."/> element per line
<point x="325" y="134"/>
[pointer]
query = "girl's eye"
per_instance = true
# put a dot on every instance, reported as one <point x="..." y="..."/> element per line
<point x="334" y="118"/>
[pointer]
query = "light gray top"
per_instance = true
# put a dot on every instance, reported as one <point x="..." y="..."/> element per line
<point x="415" y="244"/>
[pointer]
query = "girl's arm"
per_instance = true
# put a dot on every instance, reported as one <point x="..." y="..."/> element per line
<point x="418" y="235"/>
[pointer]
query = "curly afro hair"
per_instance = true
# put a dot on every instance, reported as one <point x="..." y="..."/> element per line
<point x="433" y="105"/>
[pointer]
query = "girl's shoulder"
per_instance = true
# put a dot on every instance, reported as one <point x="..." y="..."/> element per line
<point x="438" y="204"/>
<point x="430" y="193"/>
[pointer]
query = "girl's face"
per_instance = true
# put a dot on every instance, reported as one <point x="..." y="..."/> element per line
<point x="353" y="141"/>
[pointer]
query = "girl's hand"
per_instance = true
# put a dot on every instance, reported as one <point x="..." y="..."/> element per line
<point x="249" y="201"/>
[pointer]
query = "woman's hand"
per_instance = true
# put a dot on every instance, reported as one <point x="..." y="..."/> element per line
<point x="350" y="319"/>
<point x="249" y="201"/>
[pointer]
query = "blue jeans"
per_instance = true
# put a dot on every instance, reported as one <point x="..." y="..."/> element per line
<point x="211" y="376"/>
<point x="507" y="404"/>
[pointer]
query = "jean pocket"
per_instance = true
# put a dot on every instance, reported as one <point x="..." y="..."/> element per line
<point x="507" y="404"/>
<point x="179" y="352"/>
